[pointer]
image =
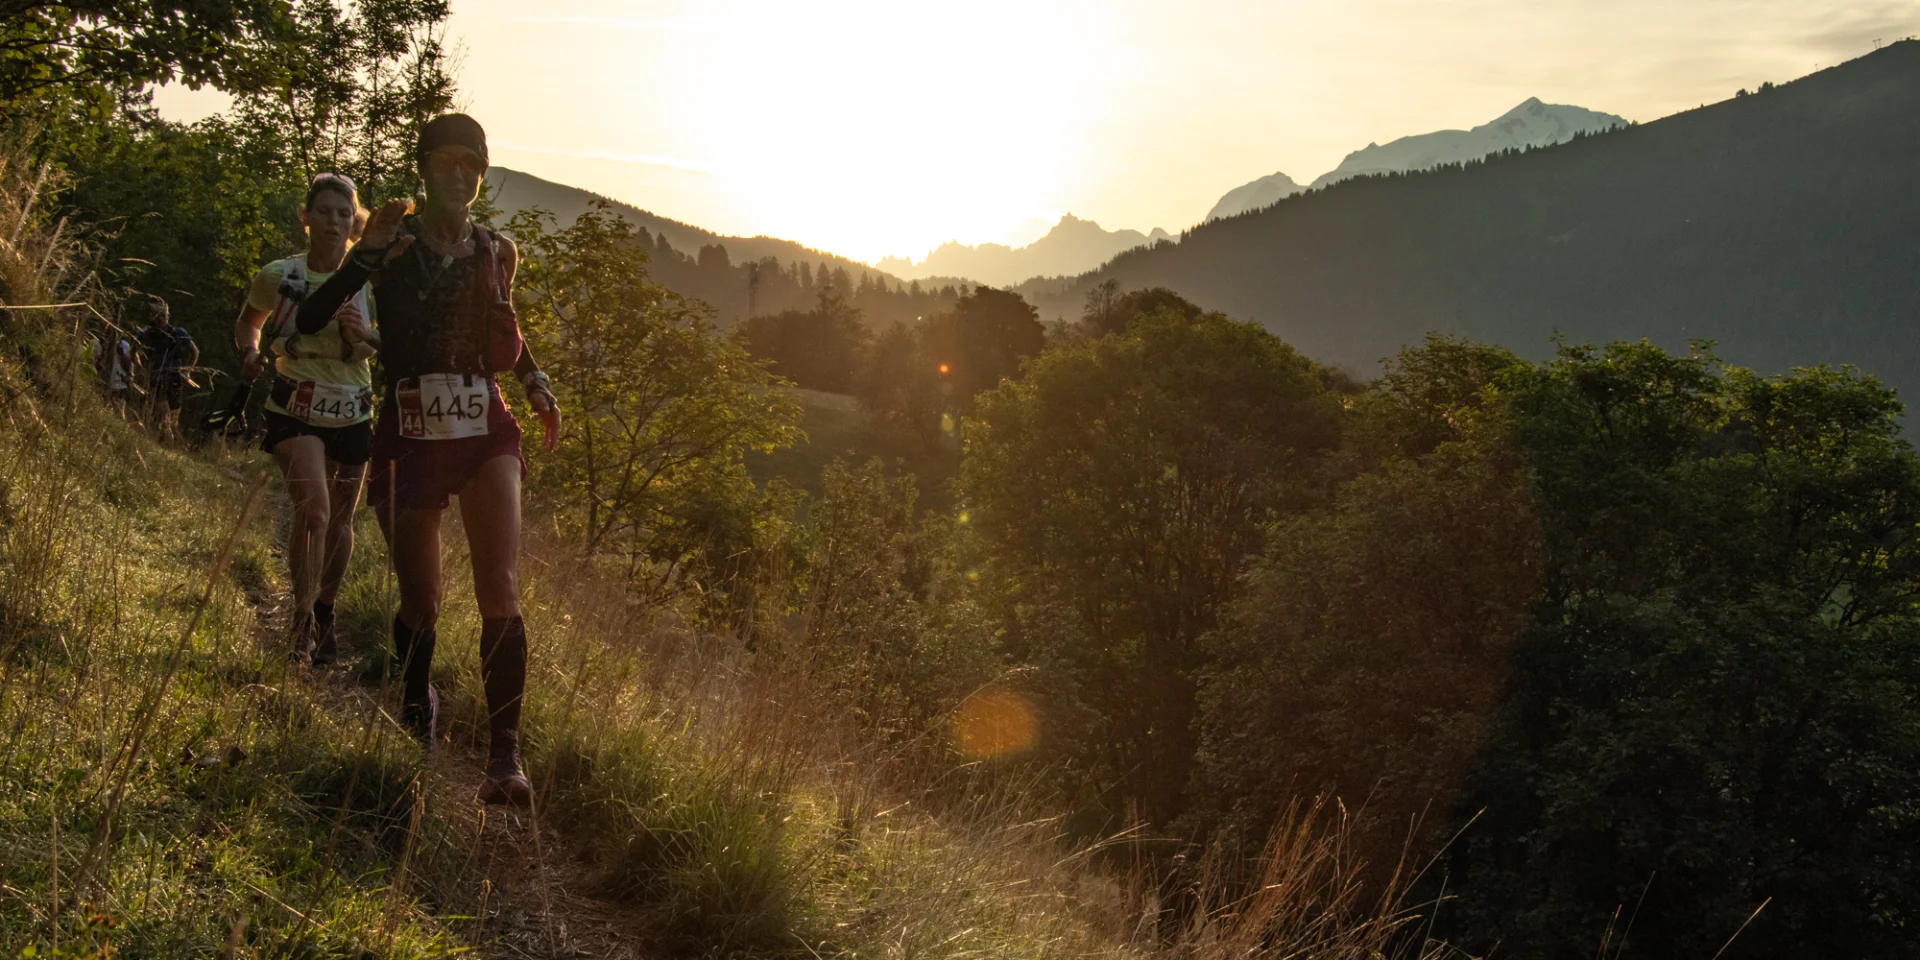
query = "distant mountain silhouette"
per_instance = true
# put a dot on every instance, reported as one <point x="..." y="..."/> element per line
<point x="1264" y="192"/>
<point x="1073" y="246"/>
<point x="514" y="191"/>
<point x="1531" y="124"/>
<point x="1784" y="224"/>
<point x="737" y="276"/>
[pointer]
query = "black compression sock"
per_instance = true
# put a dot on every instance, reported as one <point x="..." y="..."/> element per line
<point x="503" y="669"/>
<point x="322" y="613"/>
<point x="413" y="653"/>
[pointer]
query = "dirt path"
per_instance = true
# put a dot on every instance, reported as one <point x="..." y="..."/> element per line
<point x="525" y="898"/>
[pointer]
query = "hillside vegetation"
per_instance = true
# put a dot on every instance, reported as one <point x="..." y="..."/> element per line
<point x="172" y="785"/>
<point x="1778" y="224"/>
<point x="1219" y="651"/>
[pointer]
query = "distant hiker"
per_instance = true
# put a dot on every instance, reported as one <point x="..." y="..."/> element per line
<point x="319" y="408"/>
<point x="170" y="353"/>
<point x="119" y="372"/>
<point x="447" y="325"/>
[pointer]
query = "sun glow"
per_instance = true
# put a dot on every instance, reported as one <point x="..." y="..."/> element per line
<point x="873" y="128"/>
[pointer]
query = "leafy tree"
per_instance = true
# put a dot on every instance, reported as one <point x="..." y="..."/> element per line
<point x="661" y="407"/>
<point x="820" y="349"/>
<point x="1371" y="643"/>
<point x="94" y="51"/>
<point x="1720" y="693"/>
<point x="187" y="213"/>
<point x="359" y="81"/>
<point x="899" y="386"/>
<point x="1108" y="310"/>
<point x="1119" y="488"/>
<point x="981" y="342"/>
<point x="1100" y="315"/>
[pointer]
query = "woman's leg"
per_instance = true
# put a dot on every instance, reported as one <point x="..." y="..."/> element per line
<point x="414" y="536"/>
<point x="343" y="496"/>
<point x="490" y="510"/>
<point x="303" y="464"/>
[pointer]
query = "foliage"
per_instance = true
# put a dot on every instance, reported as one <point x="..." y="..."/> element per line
<point x="187" y="213"/>
<point x="1120" y="486"/>
<point x="820" y="349"/>
<point x="886" y="617"/>
<point x="93" y="51"/>
<point x="899" y="387"/>
<point x="359" y="82"/>
<point x="921" y="381"/>
<point x="1722" y="670"/>
<point x="1368" y="650"/>
<point x="981" y="342"/>
<point x="661" y="408"/>
<point x="1108" y="310"/>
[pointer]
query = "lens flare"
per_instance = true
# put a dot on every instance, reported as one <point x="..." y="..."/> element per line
<point x="994" y="723"/>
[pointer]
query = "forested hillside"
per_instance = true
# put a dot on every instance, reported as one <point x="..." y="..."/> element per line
<point x="738" y="276"/>
<point x="1779" y="223"/>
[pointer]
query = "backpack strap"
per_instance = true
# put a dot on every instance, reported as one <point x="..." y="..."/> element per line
<point x="483" y="247"/>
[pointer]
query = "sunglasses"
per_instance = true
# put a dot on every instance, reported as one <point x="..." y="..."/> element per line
<point x="340" y="178"/>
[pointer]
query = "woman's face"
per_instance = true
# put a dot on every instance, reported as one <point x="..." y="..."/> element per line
<point x="329" y="220"/>
<point x="453" y="175"/>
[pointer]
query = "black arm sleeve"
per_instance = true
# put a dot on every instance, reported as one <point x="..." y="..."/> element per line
<point x="526" y="364"/>
<point x="320" y="304"/>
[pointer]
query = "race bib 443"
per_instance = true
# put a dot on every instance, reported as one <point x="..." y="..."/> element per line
<point x="443" y="406"/>
<point x="328" y="404"/>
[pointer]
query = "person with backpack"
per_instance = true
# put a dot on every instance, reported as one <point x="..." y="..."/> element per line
<point x="170" y="353"/>
<point x="447" y="328"/>
<point x="319" y="408"/>
<point x="119" y="373"/>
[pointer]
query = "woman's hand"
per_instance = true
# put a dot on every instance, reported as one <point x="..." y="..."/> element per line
<point x="353" y="324"/>
<point x="543" y="404"/>
<point x="384" y="226"/>
<point x="252" y="365"/>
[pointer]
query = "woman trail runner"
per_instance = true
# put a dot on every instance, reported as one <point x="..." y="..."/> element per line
<point x="319" y="409"/>
<point x="447" y="325"/>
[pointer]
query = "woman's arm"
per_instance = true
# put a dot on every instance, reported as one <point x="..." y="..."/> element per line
<point x="319" y="306"/>
<point x="525" y="368"/>
<point x="378" y="247"/>
<point x="262" y="297"/>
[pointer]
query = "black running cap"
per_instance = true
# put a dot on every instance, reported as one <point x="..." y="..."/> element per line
<point x="451" y="130"/>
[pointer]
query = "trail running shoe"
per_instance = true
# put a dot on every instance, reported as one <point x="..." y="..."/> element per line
<point x="505" y="782"/>
<point x="304" y="634"/>
<point x="423" y="719"/>
<point x="326" y="647"/>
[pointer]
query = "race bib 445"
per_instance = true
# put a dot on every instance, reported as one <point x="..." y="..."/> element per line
<point x="443" y="406"/>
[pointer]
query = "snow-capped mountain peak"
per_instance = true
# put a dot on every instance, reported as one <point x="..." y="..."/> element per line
<point x="1530" y="124"/>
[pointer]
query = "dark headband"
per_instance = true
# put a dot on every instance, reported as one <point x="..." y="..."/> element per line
<point x="451" y="130"/>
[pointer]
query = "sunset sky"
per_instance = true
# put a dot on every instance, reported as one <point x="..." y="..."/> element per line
<point x="873" y="128"/>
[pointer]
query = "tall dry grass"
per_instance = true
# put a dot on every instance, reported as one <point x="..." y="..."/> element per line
<point x="162" y="776"/>
<point x="726" y="796"/>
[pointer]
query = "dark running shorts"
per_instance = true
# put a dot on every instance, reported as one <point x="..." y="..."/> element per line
<point x="166" y="388"/>
<point x="427" y="473"/>
<point x="351" y="445"/>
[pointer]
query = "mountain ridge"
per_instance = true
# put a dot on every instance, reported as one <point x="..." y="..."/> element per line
<point x="515" y="190"/>
<point x="1072" y="246"/>
<point x="1529" y="125"/>
<point x="1726" y="222"/>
